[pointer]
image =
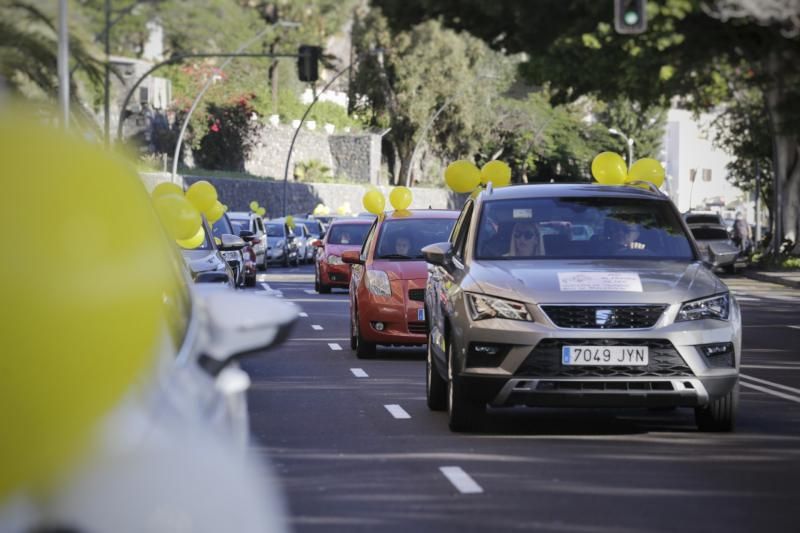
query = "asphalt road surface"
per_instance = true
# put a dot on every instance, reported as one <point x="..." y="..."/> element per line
<point x="357" y="449"/>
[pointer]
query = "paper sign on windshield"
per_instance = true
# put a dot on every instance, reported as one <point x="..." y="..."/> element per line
<point x="600" y="281"/>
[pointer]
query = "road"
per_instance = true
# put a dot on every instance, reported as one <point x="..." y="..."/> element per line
<point x="357" y="449"/>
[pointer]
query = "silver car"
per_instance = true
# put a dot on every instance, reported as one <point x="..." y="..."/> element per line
<point x="629" y="317"/>
<point x="716" y="247"/>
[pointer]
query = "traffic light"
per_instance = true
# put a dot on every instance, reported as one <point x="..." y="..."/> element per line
<point x="630" y="16"/>
<point x="308" y="62"/>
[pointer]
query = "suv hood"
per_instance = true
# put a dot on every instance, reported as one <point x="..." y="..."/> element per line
<point x="610" y="281"/>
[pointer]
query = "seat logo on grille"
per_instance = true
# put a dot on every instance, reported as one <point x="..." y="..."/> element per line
<point x="603" y="317"/>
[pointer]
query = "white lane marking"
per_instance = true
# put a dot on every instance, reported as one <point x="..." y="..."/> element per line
<point x="304" y="314"/>
<point x="771" y="383"/>
<point x="316" y="327"/>
<point x="266" y="286"/>
<point x="334" y="346"/>
<point x="359" y="372"/>
<point x="772" y="367"/>
<point x="397" y="411"/>
<point x="770" y="391"/>
<point x="793" y="327"/>
<point x="310" y="291"/>
<point x="461" y="480"/>
<point x="747" y="299"/>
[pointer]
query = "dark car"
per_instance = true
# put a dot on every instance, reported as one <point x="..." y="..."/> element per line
<point x="280" y="243"/>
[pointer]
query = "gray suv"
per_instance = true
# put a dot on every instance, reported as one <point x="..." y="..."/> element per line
<point x="520" y="312"/>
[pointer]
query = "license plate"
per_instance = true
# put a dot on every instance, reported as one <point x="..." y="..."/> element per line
<point x="605" y="355"/>
<point x="421" y="314"/>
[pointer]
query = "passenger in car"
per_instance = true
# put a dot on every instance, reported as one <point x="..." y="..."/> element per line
<point x="623" y="235"/>
<point x="526" y="240"/>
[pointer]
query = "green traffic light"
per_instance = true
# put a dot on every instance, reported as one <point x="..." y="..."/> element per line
<point x="631" y="18"/>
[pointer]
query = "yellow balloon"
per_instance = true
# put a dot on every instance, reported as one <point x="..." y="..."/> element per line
<point x="462" y="176"/>
<point x="344" y="209"/>
<point x="290" y="221"/>
<point x="179" y="217"/>
<point x="400" y="198"/>
<point x="73" y="350"/>
<point x="215" y="213"/>
<point x="609" y="168"/>
<point x="498" y="172"/>
<point x="261" y="211"/>
<point x="373" y="201"/>
<point x="319" y="210"/>
<point x="165" y="188"/>
<point x="647" y="169"/>
<point x="253" y="205"/>
<point x="202" y="195"/>
<point x="401" y="213"/>
<point x="194" y="241"/>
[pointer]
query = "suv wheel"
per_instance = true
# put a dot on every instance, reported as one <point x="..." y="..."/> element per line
<point x="364" y="349"/>
<point x="720" y="414"/>
<point x="436" y="387"/>
<point x="464" y="413"/>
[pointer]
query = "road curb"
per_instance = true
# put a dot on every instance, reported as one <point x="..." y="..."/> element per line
<point x="760" y="276"/>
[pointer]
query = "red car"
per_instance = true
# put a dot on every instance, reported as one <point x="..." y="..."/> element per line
<point x="343" y="234"/>
<point x="387" y="289"/>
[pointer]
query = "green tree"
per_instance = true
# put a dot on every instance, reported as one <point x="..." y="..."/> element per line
<point x="686" y="52"/>
<point x="416" y="73"/>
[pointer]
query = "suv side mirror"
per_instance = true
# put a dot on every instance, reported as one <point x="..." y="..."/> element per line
<point x="438" y="254"/>
<point x="231" y="243"/>
<point x="352" y="257"/>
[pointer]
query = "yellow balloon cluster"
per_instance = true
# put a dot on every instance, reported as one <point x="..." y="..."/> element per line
<point x="73" y="350"/>
<point x="290" y="221"/>
<point x="322" y="210"/>
<point x="400" y="198"/>
<point x="180" y="214"/>
<point x="463" y="176"/>
<point x="344" y="209"/>
<point x="609" y="168"/>
<point x="257" y="209"/>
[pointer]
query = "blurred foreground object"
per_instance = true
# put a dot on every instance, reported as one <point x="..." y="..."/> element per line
<point x="121" y="401"/>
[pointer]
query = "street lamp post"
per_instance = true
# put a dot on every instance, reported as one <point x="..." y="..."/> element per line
<point x="628" y="141"/>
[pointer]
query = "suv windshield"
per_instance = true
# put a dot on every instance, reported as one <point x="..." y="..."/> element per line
<point x="403" y="239"/>
<point x="541" y="228"/>
<point x="348" y="234"/>
<point x="223" y="226"/>
<point x="275" y="230"/>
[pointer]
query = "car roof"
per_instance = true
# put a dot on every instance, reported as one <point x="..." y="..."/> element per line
<point x="239" y="214"/>
<point x="420" y="214"/>
<point x="338" y="221"/>
<point x="550" y="190"/>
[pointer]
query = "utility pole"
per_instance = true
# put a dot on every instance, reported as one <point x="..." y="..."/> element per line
<point x="63" y="63"/>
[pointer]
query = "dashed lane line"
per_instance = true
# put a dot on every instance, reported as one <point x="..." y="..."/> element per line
<point x="303" y="314"/>
<point x="770" y="391"/>
<point x="310" y="291"/>
<point x="397" y="411"/>
<point x="316" y="327"/>
<point x="334" y="346"/>
<point x="462" y="481"/>
<point x="773" y="367"/>
<point x="359" y="372"/>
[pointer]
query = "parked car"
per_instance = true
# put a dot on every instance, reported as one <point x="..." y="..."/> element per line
<point x="206" y="262"/>
<point x="343" y="234"/>
<point x="281" y="247"/>
<point x="716" y="247"/>
<point x="253" y="223"/>
<point x="631" y="317"/>
<point x="316" y="232"/>
<point x="387" y="284"/>
<point x="235" y="258"/>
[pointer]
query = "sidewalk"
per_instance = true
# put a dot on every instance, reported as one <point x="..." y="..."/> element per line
<point x="788" y="279"/>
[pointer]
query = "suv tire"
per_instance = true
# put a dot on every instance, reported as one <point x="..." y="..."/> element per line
<point x="720" y="414"/>
<point x="435" y="385"/>
<point x="464" y="413"/>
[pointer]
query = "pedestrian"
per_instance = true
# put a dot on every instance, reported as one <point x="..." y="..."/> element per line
<point x="741" y="233"/>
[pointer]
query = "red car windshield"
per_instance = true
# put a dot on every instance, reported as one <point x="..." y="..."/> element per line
<point x="404" y="238"/>
<point x="348" y="234"/>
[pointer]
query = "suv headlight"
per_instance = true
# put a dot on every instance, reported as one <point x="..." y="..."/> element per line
<point x="482" y="307"/>
<point x="378" y="283"/>
<point x="716" y="307"/>
<point x="335" y="260"/>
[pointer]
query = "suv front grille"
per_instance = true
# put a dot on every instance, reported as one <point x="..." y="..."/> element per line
<point x="545" y="360"/>
<point x="417" y="295"/>
<point x="604" y="316"/>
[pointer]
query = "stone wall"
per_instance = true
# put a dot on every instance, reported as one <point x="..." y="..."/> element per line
<point x="356" y="157"/>
<point x="303" y="197"/>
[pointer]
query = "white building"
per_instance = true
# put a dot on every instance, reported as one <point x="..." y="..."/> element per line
<point x="687" y="151"/>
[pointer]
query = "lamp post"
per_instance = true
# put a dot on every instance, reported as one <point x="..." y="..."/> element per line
<point x="628" y="141"/>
